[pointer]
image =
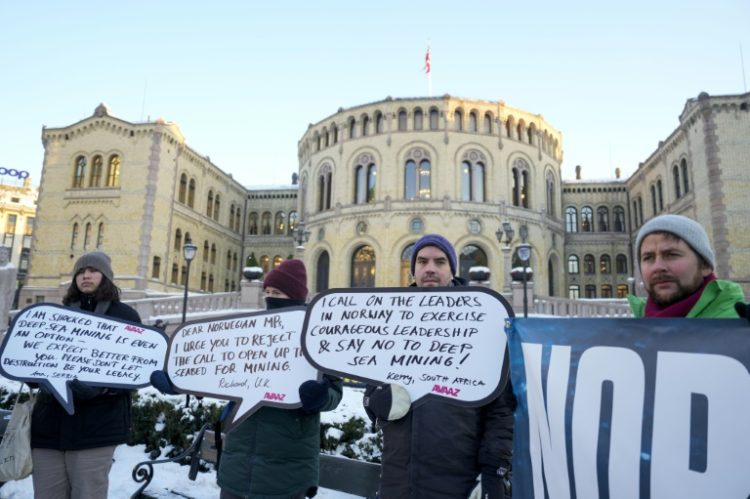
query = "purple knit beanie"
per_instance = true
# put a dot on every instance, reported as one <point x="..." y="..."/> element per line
<point x="440" y="243"/>
<point x="290" y="278"/>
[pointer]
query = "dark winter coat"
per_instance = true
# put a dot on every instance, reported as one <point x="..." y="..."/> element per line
<point x="438" y="449"/>
<point x="274" y="454"/>
<point x="99" y="422"/>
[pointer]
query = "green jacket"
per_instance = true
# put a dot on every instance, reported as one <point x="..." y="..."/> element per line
<point x="274" y="454"/>
<point x="716" y="302"/>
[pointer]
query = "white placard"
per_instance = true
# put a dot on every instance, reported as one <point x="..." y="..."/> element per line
<point x="446" y="343"/>
<point x="51" y="345"/>
<point x="255" y="359"/>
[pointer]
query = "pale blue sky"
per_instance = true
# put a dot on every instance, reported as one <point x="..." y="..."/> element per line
<point x="244" y="79"/>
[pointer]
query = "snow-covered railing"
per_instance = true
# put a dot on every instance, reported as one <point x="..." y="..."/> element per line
<point x="196" y="304"/>
<point x="566" y="307"/>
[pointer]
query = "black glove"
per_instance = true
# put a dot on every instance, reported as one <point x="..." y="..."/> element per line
<point x="743" y="310"/>
<point x="314" y="394"/>
<point x="388" y="402"/>
<point x="81" y="391"/>
<point x="160" y="380"/>
<point x="496" y="485"/>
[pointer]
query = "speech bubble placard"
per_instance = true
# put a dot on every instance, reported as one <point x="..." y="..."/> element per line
<point x="446" y="343"/>
<point x="255" y="359"/>
<point x="51" y="345"/>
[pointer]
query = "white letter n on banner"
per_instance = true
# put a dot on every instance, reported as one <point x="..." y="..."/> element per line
<point x="547" y="420"/>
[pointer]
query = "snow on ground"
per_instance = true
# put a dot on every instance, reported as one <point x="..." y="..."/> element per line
<point x="173" y="477"/>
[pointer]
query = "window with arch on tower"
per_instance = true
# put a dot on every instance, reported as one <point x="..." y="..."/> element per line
<point x="79" y="173"/>
<point x="472" y="176"/>
<point x="365" y="174"/>
<point x="520" y="173"/>
<point x="113" y="171"/>
<point x="96" y="171"/>
<point x="417" y="175"/>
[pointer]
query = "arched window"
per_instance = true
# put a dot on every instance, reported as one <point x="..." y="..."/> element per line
<point x="472" y="179"/>
<point x="589" y="264"/>
<point x="434" y="119"/>
<point x="684" y="169"/>
<point x="191" y="193"/>
<point x="573" y="264"/>
<point x="550" y="194"/>
<point x="213" y="254"/>
<point x="622" y="290"/>
<point x="229" y="260"/>
<point x="205" y="258"/>
<point x="418" y="119"/>
<point x="676" y="181"/>
<point x="265" y="223"/>
<point x="265" y="263"/>
<point x="210" y="283"/>
<point x="605" y="264"/>
<point x="178" y="240"/>
<point x="473" y="125"/>
<point x="574" y="291"/>
<point x="324" y="188"/>
<point x="322" y="268"/>
<point x="210" y="204"/>
<point x="335" y="133"/>
<point x="235" y="262"/>
<point x="401" y="120"/>
<point x="621" y="264"/>
<point x="96" y="171"/>
<point x="87" y="236"/>
<point x="79" y="173"/>
<point x="183" y="275"/>
<point x="113" y="171"/>
<point x="293" y="221"/>
<point x="100" y="235"/>
<point x="352" y="128"/>
<point x="365" y="125"/>
<point x="417" y="179"/>
<point x="589" y="291"/>
<point x="231" y="216"/>
<point x="660" y="194"/>
<point x="74" y="236"/>
<point x="618" y="212"/>
<point x="406" y="277"/>
<point x="571" y="219"/>
<point x="458" y="120"/>
<point x="252" y="223"/>
<point x="470" y="256"/>
<point x="364" y="180"/>
<point x="175" y="272"/>
<point x="379" y="122"/>
<point x="182" y="192"/>
<point x="326" y="138"/>
<point x="602" y="214"/>
<point x="488" y="123"/>
<point x="606" y="291"/>
<point x="280" y="224"/>
<point x="217" y="206"/>
<point x="363" y="267"/>
<point x="587" y="219"/>
<point x="155" y="267"/>
<point x="520" y="172"/>
<point x="653" y="199"/>
<point x="277" y="260"/>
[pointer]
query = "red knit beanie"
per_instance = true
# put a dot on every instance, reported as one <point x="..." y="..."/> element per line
<point x="290" y="278"/>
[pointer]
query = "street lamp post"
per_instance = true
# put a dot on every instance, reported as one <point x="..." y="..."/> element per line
<point x="188" y="252"/>
<point x="524" y="253"/>
<point x="507" y="230"/>
<point x="631" y="281"/>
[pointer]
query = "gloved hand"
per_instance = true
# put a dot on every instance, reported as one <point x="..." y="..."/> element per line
<point x="81" y="391"/>
<point x="314" y="394"/>
<point x="743" y="310"/>
<point x="496" y="485"/>
<point x="388" y="402"/>
<point x="160" y="380"/>
<point x="226" y="411"/>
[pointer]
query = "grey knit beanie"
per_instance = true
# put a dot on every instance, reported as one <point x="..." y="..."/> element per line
<point x="685" y="228"/>
<point x="96" y="260"/>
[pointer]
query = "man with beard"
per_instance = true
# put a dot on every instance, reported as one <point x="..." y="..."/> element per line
<point x="677" y="264"/>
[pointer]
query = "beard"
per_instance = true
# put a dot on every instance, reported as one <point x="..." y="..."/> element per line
<point x="680" y="291"/>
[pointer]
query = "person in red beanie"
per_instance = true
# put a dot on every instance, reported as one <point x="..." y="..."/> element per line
<point x="275" y="452"/>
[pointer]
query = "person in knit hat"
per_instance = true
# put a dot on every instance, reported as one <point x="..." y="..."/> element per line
<point x="677" y="264"/>
<point x="276" y="452"/>
<point x="436" y="450"/>
<point x="72" y="454"/>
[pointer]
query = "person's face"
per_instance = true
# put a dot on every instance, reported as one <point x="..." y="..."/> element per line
<point x="432" y="268"/>
<point x="271" y="292"/>
<point x="671" y="269"/>
<point x="88" y="280"/>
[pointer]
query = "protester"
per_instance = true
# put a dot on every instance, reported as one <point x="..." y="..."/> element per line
<point x="677" y="264"/>
<point x="437" y="450"/>
<point x="275" y="452"/>
<point x="72" y="454"/>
